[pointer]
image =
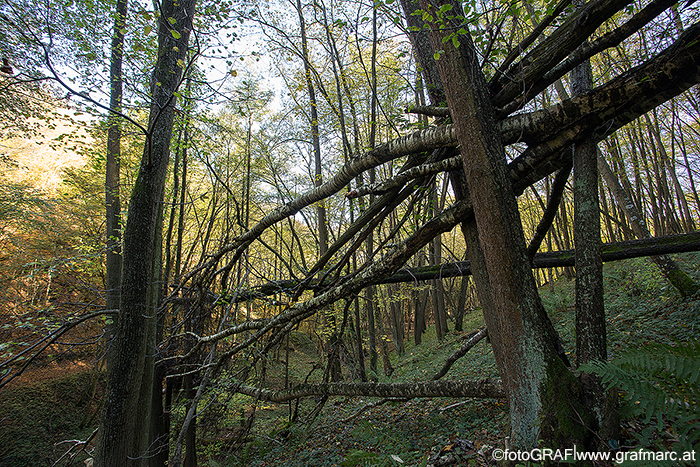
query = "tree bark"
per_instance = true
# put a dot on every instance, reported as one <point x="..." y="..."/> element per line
<point x="121" y="442"/>
<point x="484" y="388"/>
<point x="461" y="352"/>
<point x="591" y="336"/>
<point x="113" y="260"/>
<point x="590" y="316"/>
<point x="318" y="175"/>
<point x="543" y="395"/>
<point x="653" y="246"/>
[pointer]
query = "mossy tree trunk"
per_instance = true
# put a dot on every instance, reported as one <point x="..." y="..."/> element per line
<point x="544" y="396"/>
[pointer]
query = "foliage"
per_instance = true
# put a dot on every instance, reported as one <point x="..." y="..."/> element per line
<point x="660" y="382"/>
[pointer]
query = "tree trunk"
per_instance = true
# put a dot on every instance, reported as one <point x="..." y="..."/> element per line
<point x="591" y="336"/>
<point x="544" y="397"/>
<point x="420" y="300"/>
<point x="113" y="260"/>
<point x="437" y="291"/>
<point x="590" y="315"/>
<point x="313" y="112"/>
<point x="484" y="388"/>
<point x="461" y="303"/>
<point x="386" y="362"/>
<point x="122" y="439"/>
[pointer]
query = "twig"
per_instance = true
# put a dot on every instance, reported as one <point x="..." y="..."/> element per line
<point x="77" y="443"/>
<point x="454" y="405"/>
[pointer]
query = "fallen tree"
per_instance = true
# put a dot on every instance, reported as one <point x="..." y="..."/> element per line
<point x="599" y="112"/>
<point x="549" y="134"/>
<point x="616" y="251"/>
<point x="483" y="388"/>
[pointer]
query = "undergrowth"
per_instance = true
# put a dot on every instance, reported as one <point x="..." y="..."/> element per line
<point x="652" y="342"/>
<point x="641" y="308"/>
<point x="37" y="418"/>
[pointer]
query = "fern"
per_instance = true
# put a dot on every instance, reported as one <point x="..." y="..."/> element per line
<point x="660" y="382"/>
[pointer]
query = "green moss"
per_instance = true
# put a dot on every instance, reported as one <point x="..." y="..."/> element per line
<point x="683" y="282"/>
<point x="565" y="421"/>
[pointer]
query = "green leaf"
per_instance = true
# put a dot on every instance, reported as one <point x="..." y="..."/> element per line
<point x="147" y="30"/>
<point x="175" y="34"/>
<point x="172" y="20"/>
<point x="180" y="63"/>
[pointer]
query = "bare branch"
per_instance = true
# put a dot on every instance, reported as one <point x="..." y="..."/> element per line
<point x="484" y="388"/>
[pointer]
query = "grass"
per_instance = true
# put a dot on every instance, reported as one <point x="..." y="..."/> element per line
<point x="641" y="307"/>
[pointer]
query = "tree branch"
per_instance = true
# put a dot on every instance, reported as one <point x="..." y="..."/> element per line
<point x="484" y="388"/>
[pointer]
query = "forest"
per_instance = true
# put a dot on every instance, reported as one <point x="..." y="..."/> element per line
<point x="324" y="232"/>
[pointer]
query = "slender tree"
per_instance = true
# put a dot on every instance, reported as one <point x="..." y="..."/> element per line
<point x="591" y="335"/>
<point x="113" y="264"/>
<point x="540" y="389"/>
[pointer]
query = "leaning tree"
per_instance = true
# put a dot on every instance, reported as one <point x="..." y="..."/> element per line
<point x="482" y="117"/>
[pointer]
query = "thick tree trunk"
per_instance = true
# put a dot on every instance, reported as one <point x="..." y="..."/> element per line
<point x="123" y="438"/>
<point x="543" y="395"/>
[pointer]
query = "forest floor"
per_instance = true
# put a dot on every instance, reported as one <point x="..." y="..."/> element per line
<point x="37" y="418"/>
<point x="641" y="308"/>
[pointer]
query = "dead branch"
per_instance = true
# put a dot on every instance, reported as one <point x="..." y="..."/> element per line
<point x="461" y="352"/>
<point x="484" y="388"/>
